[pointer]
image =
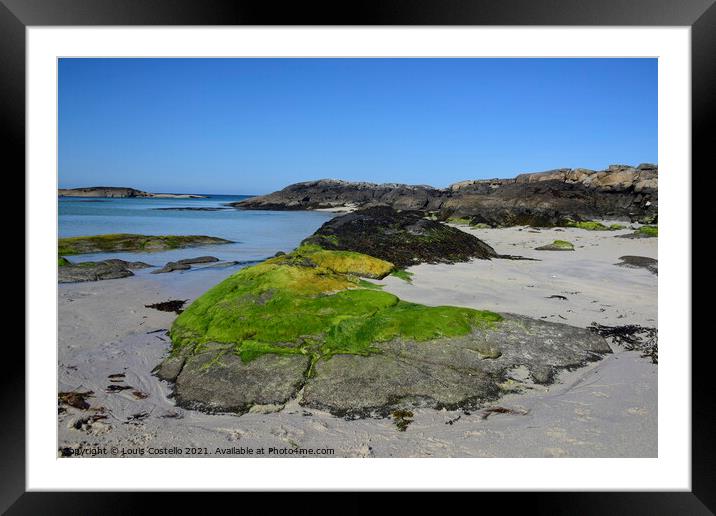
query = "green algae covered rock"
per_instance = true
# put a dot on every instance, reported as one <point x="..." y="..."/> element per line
<point x="557" y="245"/>
<point x="292" y="305"/>
<point x="643" y="232"/>
<point x="305" y="324"/>
<point x="593" y="225"/>
<point x="129" y="242"/>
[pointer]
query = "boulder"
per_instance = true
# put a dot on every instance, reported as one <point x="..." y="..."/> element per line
<point x="96" y="271"/>
<point x="403" y="238"/>
<point x="173" y="266"/>
<point x="639" y="262"/>
<point x="557" y="245"/>
<point x="198" y="259"/>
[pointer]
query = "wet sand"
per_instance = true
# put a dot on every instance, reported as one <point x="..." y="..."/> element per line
<point x="607" y="409"/>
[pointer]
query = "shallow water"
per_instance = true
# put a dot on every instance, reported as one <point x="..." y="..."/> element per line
<point x="256" y="234"/>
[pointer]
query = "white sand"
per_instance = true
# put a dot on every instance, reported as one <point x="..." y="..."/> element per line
<point x="347" y="208"/>
<point x="596" y="289"/>
<point x="607" y="409"/>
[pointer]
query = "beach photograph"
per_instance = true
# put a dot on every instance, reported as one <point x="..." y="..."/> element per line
<point x="357" y="257"/>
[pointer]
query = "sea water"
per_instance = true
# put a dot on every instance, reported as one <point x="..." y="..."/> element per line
<point x="256" y="235"/>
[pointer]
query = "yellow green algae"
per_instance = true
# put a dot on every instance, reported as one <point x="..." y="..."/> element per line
<point x="562" y="244"/>
<point x="593" y="225"/>
<point x="468" y="222"/>
<point x="312" y="302"/>
<point x="651" y="231"/>
<point x="131" y="242"/>
<point x="403" y="274"/>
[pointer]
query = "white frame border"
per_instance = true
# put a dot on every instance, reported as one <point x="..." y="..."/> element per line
<point x="670" y="471"/>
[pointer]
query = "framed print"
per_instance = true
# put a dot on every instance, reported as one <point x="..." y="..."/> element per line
<point x="413" y="250"/>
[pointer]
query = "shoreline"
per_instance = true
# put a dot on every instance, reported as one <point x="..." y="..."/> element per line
<point x="606" y="409"/>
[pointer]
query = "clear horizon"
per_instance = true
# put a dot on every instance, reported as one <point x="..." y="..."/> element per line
<point x="253" y="126"/>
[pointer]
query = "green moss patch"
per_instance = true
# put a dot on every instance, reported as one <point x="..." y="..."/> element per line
<point x="403" y="274"/>
<point x="131" y="242"/>
<point x="291" y="304"/>
<point x="459" y="220"/>
<point x="593" y="225"/>
<point x="346" y="262"/>
<point x="649" y="231"/>
<point x="563" y="244"/>
<point x="62" y="261"/>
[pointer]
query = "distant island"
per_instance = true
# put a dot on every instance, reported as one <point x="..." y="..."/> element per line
<point x="552" y="198"/>
<point x="118" y="191"/>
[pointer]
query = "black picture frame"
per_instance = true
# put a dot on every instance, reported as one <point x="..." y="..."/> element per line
<point x="700" y="15"/>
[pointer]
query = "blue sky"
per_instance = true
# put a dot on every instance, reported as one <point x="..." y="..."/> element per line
<point x="251" y="126"/>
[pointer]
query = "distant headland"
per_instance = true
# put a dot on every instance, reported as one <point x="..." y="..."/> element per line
<point x="118" y="191"/>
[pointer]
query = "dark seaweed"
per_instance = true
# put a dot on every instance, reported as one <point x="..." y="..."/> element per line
<point x="631" y="337"/>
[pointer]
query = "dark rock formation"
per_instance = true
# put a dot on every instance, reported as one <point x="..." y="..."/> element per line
<point x="172" y="266"/>
<point x="95" y="271"/>
<point x="186" y="263"/>
<point x="543" y="199"/>
<point x="331" y="193"/>
<point x="198" y="259"/>
<point x="403" y="238"/>
<point x="639" y="262"/>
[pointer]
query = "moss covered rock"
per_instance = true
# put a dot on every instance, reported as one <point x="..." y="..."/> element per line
<point x="96" y="271"/>
<point x="593" y="225"/>
<point x="643" y="232"/>
<point x="557" y="245"/>
<point x="307" y="322"/>
<point x="129" y="242"/>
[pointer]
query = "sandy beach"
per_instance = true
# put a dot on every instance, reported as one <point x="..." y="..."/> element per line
<point x="607" y="409"/>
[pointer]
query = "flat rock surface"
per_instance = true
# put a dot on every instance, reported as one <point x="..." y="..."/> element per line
<point x="231" y="385"/>
<point x="636" y="262"/>
<point x="96" y="271"/>
<point x="459" y="372"/>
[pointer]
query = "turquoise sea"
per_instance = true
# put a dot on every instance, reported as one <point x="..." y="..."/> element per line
<point x="257" y="234"/>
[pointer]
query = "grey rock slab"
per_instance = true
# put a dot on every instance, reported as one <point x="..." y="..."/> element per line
<point x="173" y="266"/>
<point x="451" y="372"/>
<point x="92" y="271"/>
<point x="217" y="382"/>
<point x="639" y="262"/>
<point x="198" y="259"/>
<point x="454" y="372"/>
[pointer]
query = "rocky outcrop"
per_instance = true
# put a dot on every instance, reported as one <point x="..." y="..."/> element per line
<point x="68" y="272"/>
<point x="116" y="242"/>
<point x="331" y="193"/>
<point x="403" y="238"/>
<point x="185" y="264"/>
<point x="639" y="262"/>
<point x="549" y="198"/>
<point x="118" y="191"/>
<point x="557" y="245"/>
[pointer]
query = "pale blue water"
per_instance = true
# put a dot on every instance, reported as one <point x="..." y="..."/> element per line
<point x="258" y="234"/>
